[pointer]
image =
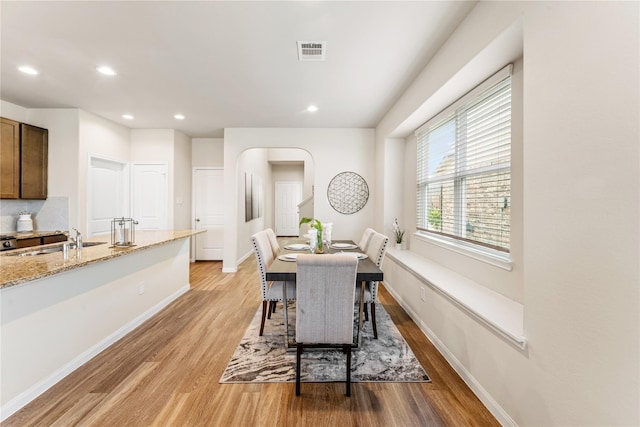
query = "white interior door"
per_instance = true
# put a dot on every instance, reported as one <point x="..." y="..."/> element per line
<point x="107" y="194"/>
<point x="150" y="195"/>
<point x="287" y="197"/>
<point x="208" y="206"/>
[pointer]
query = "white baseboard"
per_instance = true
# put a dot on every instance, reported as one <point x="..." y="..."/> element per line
<point x="36" y="390"/>
<point x="496" y="410"/>
<point x="238" y="262"/>
<point x="247" y="255"/>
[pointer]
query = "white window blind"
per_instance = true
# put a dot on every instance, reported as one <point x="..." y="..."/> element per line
<point x="464" y="167"/>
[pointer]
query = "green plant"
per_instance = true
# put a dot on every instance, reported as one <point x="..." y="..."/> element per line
<point x="397" y="231"/>
<point x="314" y="223"/>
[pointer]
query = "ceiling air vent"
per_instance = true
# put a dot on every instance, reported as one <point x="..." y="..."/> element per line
<point x="311" y="51"/>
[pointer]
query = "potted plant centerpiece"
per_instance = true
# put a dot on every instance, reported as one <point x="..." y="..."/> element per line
<point x="398" y="233"/>
<point x="317" y="226"/>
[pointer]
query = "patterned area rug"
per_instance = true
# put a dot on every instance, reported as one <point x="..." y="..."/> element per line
<point x="265" y="359"/>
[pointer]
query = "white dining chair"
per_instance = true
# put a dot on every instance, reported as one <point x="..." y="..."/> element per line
<point x="273" y="241"/>
<point x="376" y="248"/>
<point x="364" y="241"/>
<point x="271" y="292"/>
<point x="324" y="306"/>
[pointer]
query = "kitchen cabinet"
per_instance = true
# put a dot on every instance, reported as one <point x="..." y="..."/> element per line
<point x="34" y="155"/>
<point x="9" y="159"/>
<point x="23" y="161"/>
<point x="28" y="242"/>
<point x="54" y="239"/>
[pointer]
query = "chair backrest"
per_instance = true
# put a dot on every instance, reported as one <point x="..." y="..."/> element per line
<point x="264" y="257"/>
<point x="377" y="247"/>
<point x="273" y="241"/>
<point x="325" y="296"/>
<point x="366" y="237"/>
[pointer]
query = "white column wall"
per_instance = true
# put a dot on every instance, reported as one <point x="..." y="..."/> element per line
<point x="182" y="182"/>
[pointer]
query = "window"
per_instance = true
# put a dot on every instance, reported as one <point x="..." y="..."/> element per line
<point x="464" y="168"/>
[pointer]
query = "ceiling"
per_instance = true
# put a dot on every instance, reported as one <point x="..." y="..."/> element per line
<point x="220" y="64"/>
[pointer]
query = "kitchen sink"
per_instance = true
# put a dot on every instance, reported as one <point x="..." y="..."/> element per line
<point x="53" y="249"/>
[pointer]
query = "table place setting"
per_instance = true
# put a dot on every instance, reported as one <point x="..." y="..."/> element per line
<point x="288" y="257"/>
<point x="358" y="255"/>
<point x="337" y="245"/>
<point x="297" y="247"/>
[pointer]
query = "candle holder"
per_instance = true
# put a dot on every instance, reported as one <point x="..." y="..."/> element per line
<point x="123" y="232"/>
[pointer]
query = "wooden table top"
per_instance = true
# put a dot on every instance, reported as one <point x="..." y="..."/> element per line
<point x="286" y="270"/>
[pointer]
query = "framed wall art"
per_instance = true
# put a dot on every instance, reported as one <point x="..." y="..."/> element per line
<point x="348" y="192"/>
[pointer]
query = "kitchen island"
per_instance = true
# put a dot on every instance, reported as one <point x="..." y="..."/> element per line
<point x="58" y="313"/>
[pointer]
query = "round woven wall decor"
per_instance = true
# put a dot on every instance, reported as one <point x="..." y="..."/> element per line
<point x="348" y="192"/>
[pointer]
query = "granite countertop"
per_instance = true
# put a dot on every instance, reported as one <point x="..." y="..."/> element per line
<point x="15" y="270"/>
<point x="35" y="233"/>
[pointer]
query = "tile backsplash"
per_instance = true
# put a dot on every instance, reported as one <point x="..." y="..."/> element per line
<point x="48" y="215"/>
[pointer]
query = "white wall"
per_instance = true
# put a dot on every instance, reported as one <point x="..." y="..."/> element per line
<point x="182" y="182"/>
<point x="296" y="155"/>
<point x="14" y="112"/>
<point x="207" y="152"/>
<point x="580" y="207"/>
<point x="333" y="151"/>
<point x="98" y="137"/>
<point x="254" y="162"/>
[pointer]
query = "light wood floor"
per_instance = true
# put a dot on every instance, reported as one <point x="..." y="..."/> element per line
<point x="166" y="372"/>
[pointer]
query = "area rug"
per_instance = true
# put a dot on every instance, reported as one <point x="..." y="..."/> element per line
<point x="265" y="358"/>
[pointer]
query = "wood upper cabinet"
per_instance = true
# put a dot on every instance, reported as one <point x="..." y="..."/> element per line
<point x="24" y="155"/>
<point x="33" y="162"/>
<point x="9" y="159"/>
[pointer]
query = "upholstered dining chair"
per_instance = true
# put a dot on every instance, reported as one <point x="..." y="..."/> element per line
<point x="366" y="236"/>
<point x="271" y="292"/>
<point x="324" y="306"/>
<point x="376" y="248"/>
<point x="273" y="241"/>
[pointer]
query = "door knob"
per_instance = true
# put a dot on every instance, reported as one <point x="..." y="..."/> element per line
<point x="197" y="219"/>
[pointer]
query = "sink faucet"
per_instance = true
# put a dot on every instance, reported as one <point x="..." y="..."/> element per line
<point x="77" y="240"/>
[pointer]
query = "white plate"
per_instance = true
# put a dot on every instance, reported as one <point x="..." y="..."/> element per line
<point x="297" y="247"/>
<point x="288" y="257"/>
<point x="343" y="246"/>
<point x="354" y="254"/>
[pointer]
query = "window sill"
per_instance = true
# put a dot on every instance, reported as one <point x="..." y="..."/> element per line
<point x="499" y="313"/>
<point x="486" y="255"/>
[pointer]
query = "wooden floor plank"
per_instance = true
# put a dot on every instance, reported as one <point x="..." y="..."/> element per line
<point x="166" y="373"/>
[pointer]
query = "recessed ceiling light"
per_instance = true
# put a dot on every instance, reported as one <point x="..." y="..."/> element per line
<point x="312" y="108"/>
<point x="127" y="116"/>
<point x="179" y="117"/>
<point x="29" y="70"/>
<point x="107" y="71"/>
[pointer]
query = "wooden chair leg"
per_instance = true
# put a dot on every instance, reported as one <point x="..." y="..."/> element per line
<point x="264" y="314"/>
<point x="298" y="357"/>
<point x="373" y="320"/>
<point x="366" y="312"/>
<point x="347" y="348"/>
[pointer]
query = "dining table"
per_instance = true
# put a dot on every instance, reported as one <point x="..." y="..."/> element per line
<point x="283" y="268"/>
